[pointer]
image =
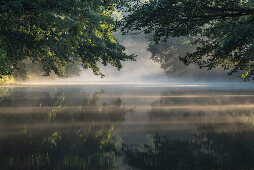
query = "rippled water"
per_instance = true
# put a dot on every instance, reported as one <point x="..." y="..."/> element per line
<point x="127" y="127"/>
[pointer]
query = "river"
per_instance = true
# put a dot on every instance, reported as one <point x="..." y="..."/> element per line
<point x="131" y="126"/>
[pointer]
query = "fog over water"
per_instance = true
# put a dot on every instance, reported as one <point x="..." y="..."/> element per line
<point x="154" y="113"/>
<point x="136" y="118"/>
<point x="127" y="126"/>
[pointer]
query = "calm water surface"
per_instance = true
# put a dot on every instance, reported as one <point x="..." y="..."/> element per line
<point x="97" y="127"/>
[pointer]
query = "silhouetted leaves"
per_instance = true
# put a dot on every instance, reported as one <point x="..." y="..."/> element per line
<point x="225" y="28"/>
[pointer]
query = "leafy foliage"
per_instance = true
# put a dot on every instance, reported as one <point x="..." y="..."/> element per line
<point x="167" y="54"/>
<point x="59" y="34"/>
<point x="225" y="28"/>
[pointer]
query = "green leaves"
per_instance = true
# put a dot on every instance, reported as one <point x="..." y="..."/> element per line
<point x="57" y="34"/>
<point x="225" y="28"/>
<point x="5" y="68"/>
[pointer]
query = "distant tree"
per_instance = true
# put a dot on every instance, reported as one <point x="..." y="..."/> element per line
<point x="167" y="54"/>
<point x="224" y="27"/>
<point x="58" y="34"/>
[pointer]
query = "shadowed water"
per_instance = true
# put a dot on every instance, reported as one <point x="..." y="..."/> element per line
<point x="127" y="127"/>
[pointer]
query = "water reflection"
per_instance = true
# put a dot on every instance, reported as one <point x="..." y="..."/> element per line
<point x="196" y="139"/>
<point x="39" y="138"/>
<point x="92" y="127"/>
<point x="207" y="150"/>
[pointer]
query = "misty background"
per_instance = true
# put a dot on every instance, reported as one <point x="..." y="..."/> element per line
<point x="145" y="70"/>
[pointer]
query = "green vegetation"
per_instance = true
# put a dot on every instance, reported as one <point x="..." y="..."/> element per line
<point x="59" y="37"/>
<point x="7" y="79"/>
<point x="167" y="54"/>
<point x="223" y="28"/>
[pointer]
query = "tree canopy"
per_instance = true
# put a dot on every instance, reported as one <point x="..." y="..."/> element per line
<point x="167" y="54"/>
<point x="60" y="35"/>
<point x="224" y="29"/>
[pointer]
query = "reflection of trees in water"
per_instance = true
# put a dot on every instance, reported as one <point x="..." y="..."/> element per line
<point x="52" y="145"/>
<point x="211" y="149"/>
<point x="59" y="149"/>
<point x="89" y="110"/>
<point x="205" y="97"/>
<point x="61" y="106"/>
<point x="5" y="92"/>
<point x="226" y="141"/>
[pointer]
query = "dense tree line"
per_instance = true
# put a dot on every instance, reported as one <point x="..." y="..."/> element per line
<point x="62" y="37"/>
